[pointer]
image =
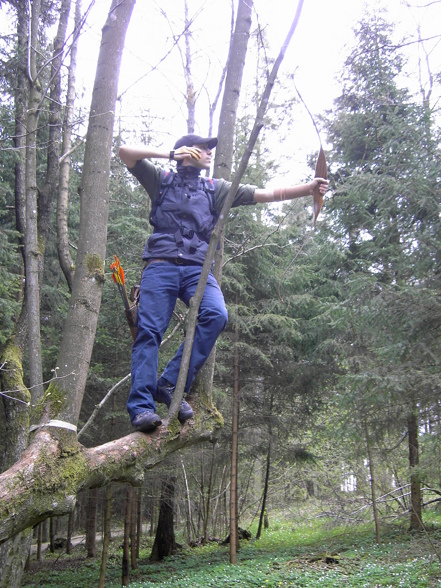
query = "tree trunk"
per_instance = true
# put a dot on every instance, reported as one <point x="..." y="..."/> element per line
<point x="133" y="529"/>
<point x="224" y="151"/>
<point x="234" y="540"/>
<point x="227" y="121"/>
<point x="208" y="497"/>
<point x="39" y="540"/>
<point x="126" y="544"/>
<point x="139" y="522"/>
<point x="49" y="188"/>
<point x="267" y="473"/>
<point x="191" y="94"/>
<point x="218" y="505"/>
<point x="52" y="522"/>
<point x="187" y="494"/>
<point x="31" y="236"/>
<point x="81" y="321"/>
<point x="372" y="482"/>
<point x="416" y="520"/>
<point x="70" y="526"/>
<point x="92" y="507"/>
<point x="106" y="538"/>
<point x="165" y="542"/>
<point x="153" y="504"/>
<point x="65" y="259"/>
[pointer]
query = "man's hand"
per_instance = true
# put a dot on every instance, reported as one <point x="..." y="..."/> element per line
<point x="183" y="152"/>
<point x="321" y="183"/>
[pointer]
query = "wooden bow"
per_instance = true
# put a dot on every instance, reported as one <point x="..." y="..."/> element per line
<point x="321" y="168"/>
<point x="321" y="171"/>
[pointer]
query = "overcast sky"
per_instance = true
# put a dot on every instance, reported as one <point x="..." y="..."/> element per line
<point x="316" y="54"/>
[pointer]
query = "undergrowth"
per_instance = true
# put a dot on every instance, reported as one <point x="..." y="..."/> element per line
<point x="315" y="554"/>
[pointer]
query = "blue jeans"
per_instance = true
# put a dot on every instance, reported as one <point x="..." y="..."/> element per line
<point x="162" y="284"/>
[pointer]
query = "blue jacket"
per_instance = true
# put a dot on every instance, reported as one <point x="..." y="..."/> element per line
<point x="183" y="216"/>
<point x="185" y="209"/>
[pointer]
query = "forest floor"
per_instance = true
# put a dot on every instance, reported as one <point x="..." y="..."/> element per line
<point x="312" y="555"/>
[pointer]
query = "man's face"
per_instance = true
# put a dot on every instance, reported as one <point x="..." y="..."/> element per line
<point x="204" y="161"/>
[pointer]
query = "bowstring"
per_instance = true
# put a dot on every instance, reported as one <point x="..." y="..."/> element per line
<point x="280" y="277"/>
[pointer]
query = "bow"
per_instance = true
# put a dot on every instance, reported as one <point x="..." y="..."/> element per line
<point x="321" y="168"/>
<point x="321" y="171"/>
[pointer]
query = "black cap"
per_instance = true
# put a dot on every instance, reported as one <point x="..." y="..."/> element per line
<point x="189" y="140"/>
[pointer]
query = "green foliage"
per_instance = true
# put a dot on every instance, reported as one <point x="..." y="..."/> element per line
<point x="382" y="219"/>
<point x="10" y="271"/>
<point x="312" y="554"/>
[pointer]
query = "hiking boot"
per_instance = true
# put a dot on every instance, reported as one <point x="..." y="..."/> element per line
<point x="146" y="422"/>
<point x="164" y="395"/>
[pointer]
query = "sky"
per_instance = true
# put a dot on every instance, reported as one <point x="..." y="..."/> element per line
<point x="151" y="81"/>
<point x="151" y="75"/>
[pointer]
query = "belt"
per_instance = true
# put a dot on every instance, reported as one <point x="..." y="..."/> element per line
<point x="174" y="260"/>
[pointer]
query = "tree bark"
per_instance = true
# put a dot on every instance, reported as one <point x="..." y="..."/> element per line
<point x="91" y="512"/>
<point x="208" y="498"/>
<point x="267" y="473"/>
<point x="416" y="520"/>
<point x="372" y="482"/>
<point x="106" y="539"/>
<point x="49" y="188"/>
<point x="39" y="541"/>
<point x="234" y="540"/>
<point x="41" y="482"/>
<point x="133" y="510"/>
<point x="165" y="542"/>
<point x="188" y="502"/>
<point x="52" y="522"/>
<point x="138" y="522"/>
<point x="64" y="257"/>
<point x="191" y="94"/>
<point x="70" y="527"/>
<point x="80" y="327"/>
<point x="15" y="553"/>
<point x="32" y="251"/>
<point x="125" y="580"/>
<point x="227" y="121"/>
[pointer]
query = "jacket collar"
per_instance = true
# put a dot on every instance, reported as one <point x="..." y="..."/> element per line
<point x="188" y="172"/>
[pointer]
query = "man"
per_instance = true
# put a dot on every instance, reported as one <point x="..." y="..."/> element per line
<point x="184" y="212"/>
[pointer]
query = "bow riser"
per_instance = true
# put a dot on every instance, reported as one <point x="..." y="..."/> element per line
<point x="321" y="171"/>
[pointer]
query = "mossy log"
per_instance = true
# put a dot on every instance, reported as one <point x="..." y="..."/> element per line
<point x="55" y="467"/>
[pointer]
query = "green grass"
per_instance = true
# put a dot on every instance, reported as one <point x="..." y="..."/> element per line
<point x="311" y="555"/>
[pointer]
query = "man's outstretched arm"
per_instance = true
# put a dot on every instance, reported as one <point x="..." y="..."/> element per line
<point x="289" y="192"/>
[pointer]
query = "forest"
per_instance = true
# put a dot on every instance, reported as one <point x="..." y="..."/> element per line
<point x="319" y="409"/>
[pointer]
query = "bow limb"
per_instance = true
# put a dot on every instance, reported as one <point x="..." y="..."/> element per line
<point x="321" y="171"/>
<point x="321" y="168"/>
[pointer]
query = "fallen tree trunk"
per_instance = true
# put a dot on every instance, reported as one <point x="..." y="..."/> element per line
<point x="46" y="480"/>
